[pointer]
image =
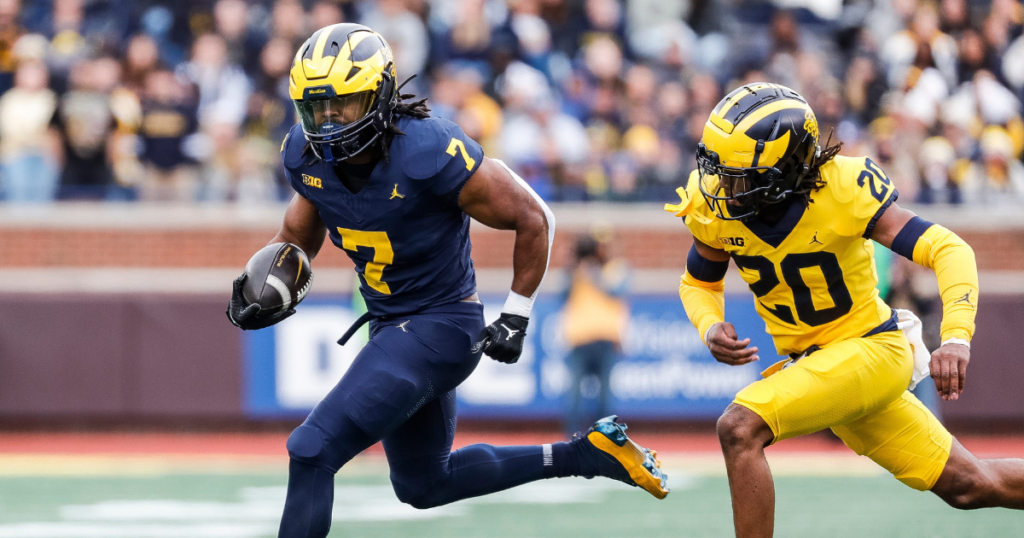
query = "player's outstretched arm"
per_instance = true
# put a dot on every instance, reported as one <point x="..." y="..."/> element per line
<point x="499" y="198"/>
<point x="937" y="248"/>
<point x="702" y="291"/>
<point x="302" y="227"/>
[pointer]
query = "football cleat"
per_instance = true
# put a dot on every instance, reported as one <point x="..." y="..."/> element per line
<point x="621" y="459"/>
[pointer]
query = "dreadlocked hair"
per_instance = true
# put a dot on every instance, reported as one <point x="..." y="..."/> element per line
<point x="405" y="107"/>
<point x="813" y="181"/>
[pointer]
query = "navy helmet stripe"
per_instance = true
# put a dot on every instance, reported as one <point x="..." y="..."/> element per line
<point x="366" y="48"/>
<point x="311" y="44"/>
<point x="749" y="99"/>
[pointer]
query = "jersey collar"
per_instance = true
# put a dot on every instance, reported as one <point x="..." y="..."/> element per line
<point x="775" y="235"/>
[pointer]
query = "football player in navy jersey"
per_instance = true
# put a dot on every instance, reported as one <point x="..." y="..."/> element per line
<point x="395" y="189"/>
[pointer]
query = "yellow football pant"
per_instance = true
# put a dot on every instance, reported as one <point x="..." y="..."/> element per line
<point x="857" y="387"/>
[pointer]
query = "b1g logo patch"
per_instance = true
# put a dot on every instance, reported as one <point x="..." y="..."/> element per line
<point x="312" y="181"/>
<point x="732" y="241"/>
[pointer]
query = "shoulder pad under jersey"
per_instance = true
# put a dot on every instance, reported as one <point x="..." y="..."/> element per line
<point x="291" y="147"/>
<point x="423" y="148"/>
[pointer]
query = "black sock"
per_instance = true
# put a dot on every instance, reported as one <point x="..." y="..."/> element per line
<point x="564" y="460"/>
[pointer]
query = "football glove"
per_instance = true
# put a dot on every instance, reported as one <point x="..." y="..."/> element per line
<point x="247" y="316"/>
<point x="503" y="339"/>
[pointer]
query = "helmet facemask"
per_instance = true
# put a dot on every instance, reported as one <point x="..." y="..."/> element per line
<point x="749" y="190"/>
<point x="339" y="127"/>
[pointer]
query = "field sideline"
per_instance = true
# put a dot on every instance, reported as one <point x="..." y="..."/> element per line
<point x="232" y="485"/>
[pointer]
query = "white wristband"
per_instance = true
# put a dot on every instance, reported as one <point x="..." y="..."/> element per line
<point x="518" y="305"/>
<point x="960" y="341"/>
<point x="706" y="333"/>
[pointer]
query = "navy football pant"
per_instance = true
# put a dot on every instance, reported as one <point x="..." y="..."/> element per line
<point x="401" y="390"/>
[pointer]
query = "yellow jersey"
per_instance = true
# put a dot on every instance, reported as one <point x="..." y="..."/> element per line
<point x="813" y="273"/>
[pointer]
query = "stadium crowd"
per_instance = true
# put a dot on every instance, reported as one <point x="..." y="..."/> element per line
<point x="588" y="99"/>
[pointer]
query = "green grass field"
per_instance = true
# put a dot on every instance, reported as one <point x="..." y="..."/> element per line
<point x="832" y="500"/>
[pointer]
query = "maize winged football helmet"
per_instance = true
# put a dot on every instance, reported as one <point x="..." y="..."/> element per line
<point x="757" y="148"/>
<point x="343" y="85"/>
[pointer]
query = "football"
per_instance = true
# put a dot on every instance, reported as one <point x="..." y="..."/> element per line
<point x="278" y="278"/>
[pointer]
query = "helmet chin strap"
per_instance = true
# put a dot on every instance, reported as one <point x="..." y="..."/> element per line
<point x="328" y="155"/>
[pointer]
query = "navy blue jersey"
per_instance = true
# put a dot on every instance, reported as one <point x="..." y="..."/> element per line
<point x="404" y="230"/>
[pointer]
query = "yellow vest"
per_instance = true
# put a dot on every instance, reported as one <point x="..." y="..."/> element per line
<point x="591" y="314"/>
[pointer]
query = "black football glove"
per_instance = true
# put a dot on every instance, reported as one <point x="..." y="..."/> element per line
<point x="503" y="339"/>
<point x="247" y="316"/>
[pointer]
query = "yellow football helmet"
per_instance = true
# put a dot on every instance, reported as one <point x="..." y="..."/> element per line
<point x="343" y="85"/>
<point x="758" y="147"/>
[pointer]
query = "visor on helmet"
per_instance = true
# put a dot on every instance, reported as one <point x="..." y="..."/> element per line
<point x="339" y="127"/>
<point x="327" y="116"/>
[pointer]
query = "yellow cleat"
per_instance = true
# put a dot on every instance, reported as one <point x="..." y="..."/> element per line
<point x="624" y="460"/>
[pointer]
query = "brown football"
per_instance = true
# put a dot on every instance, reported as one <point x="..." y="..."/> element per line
<point x="278" y="278"/>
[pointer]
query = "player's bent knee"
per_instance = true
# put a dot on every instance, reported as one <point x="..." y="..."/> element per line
<point x="305" y="442"/>
<point x="419" y="498"/>
<point x="741" y="429"/>
<point x="421" y="487"/>
<point x="422" y="502"/>
<point x="967" y="489"/>
<point x="977" y="495"/>
<point x="965" y="500"/>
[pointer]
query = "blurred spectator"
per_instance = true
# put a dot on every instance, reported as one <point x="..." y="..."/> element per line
<point x="167" y="120"/>
<point x="232" y="23"/>
<point x="223" y="86"/>
<point x="465" y="32"/>
<point x="270" y="112"/>
<point x="325" y="13"/>
<point x="938" y="177"/>
<point x="458" y="95"/>
<point x="920" y="46"/>
<point x="158" y="22"/>
<point x="26" y="143"/>
<point x="288" y="22"/>
<point x="141" y="59"/>
<point x="864" y="89"/>
<point x="594" y="321"/>
<point x="998" y="179"/>
<point x="603" y="19"/>
<point x="77" y="33"/>
<point x="547" y="145"/>
<point x="86" y="123"/>
<point x="673" y="105"/>
<point x="67" y="46"/>
<point x="10" y="31"/>
<point x="591" y="99"/>
<point x="406" y="34"/>
<point x="270" y="116"/>
<point x="533" y="35"/>
<point x="223" y="102"/>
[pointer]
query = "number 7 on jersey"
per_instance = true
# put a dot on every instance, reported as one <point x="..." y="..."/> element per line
<point x="460" y="146"/>
<point x="383" y="255"/>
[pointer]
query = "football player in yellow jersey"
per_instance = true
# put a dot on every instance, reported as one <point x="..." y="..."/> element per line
<point x="798" y="222"/>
